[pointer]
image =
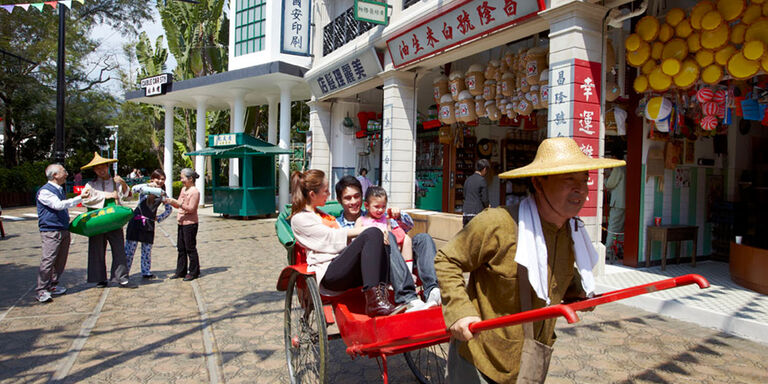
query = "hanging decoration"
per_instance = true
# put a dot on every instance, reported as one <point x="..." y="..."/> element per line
<point x="39" y="6"/>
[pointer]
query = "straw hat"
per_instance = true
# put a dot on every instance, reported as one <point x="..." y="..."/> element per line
<point x="98" y="160"/>
<point x="560" y="155"/>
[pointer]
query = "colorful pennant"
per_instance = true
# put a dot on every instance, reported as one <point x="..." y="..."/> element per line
<point x="39" y="6"/>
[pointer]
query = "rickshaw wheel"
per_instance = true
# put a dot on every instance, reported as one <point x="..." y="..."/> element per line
<point x="428" y="364"/>
<point x="306" y="338"/>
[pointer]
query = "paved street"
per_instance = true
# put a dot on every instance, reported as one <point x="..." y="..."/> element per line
<point x="227" y="325"/>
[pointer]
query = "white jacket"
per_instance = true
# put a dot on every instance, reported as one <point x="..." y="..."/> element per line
<point x="322" y="242"/>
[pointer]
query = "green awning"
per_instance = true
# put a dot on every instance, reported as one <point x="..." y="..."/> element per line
<point x="240" y="151"/>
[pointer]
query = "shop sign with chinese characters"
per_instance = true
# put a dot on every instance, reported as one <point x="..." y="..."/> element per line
<point x="345" y="73"/>
<point x="371" y="11"/>
<point x="156" y="85"/>
<point x="462" y="23"/>
<point x="295" y="31"/>
<point x="574" y="111"/>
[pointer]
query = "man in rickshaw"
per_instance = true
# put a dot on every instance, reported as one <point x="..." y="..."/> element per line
<point x="519" y="258"/>
<point x="350" y="196"/>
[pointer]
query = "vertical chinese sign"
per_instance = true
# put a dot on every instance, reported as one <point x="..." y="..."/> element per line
<point x="574" y="111"/>
<point x="296" y="23"/>
<point x="466" y="21"/>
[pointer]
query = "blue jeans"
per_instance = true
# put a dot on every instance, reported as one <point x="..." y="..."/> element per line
<point x="424" y="251"/>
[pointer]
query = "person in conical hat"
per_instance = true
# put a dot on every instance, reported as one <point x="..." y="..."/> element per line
<point x="519" y="258"/>
<point x="103" y="190"/>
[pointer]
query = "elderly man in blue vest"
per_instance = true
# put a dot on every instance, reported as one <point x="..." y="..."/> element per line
<point x="53" y="221"/>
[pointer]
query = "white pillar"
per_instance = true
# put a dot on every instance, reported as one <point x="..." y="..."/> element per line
<point x="238" y="121"/>
<point x="272" y="132"/>
<point x="168" y="150"/>
<point x="284" y="193"/>
<point x="398" y="164"/>
<point x="199" y="145"/>
<point x="320" y="131"/>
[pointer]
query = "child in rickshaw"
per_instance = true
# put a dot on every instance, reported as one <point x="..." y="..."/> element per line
<point x="376" y="216"/>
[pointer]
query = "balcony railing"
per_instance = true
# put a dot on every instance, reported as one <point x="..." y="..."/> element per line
<point x="342" y="30"/>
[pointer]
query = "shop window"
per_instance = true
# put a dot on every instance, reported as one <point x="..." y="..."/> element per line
<point x="250" y="25"/>
<point x="342" y="30"/>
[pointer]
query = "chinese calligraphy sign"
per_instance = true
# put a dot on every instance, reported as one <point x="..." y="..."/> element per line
<point x="349" y="71"/>
<point x="461" y="23"/>
<point x="295" y="28"/>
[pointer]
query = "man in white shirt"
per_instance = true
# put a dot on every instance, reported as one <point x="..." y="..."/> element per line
<point x="53" y="221"/>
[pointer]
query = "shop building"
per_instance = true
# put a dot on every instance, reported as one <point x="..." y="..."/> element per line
<point x="429" y="49"/>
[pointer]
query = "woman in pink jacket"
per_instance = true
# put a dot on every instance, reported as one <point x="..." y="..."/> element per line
<point x="186" y="240"/>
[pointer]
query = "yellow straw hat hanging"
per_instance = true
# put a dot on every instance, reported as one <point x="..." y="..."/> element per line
<point x="698" y="12"/>
<point x="560" y="155"/>
<point x="98" y="160"/>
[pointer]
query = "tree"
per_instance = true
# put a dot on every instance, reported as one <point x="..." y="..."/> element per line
<point x="28" y="79"/>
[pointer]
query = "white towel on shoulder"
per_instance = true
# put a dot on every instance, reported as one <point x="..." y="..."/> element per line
<point x="532" y="250"/>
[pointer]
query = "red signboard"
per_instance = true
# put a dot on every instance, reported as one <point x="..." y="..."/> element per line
<point x="464" y="22"/>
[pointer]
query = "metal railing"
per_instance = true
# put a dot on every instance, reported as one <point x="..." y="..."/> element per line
<point x="342" y="30"/>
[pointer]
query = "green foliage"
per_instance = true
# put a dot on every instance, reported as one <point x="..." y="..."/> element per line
<point x="177" y="188"/>
<point x="26" y="177"/>
<point x="28" y="85"/>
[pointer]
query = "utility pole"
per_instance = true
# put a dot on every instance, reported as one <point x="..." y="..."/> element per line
<point x="61" y="85"/>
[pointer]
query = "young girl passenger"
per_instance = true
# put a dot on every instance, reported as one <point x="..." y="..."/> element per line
<point x="376" y="216"/>
<point x="142" y="227"/>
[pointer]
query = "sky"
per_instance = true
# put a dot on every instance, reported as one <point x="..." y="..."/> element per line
<point x="112" y="44"/>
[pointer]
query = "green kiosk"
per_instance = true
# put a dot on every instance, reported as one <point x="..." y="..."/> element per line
<point x="256" y="193"/>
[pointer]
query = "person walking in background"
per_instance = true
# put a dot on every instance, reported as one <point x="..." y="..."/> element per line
<point x="476" y="191"/>
<point x="615" y="185"/>
<point x="53" y="222"/>
<point x="105" y="190"/>
<point x="365" y="182"/>
<point x="142" y="227"/>
<point x="188" y="263"/>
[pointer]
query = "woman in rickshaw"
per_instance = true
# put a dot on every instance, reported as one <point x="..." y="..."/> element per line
<point x="341" y="258"/>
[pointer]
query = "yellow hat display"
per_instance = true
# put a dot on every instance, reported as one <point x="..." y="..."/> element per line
<point x="688" y="74"/>
<point x="715" y="39"/>
<point x="754" y="50"/>
<point x="674" y="16"/>
<point x="637" y="58"/>
<point x="665" y="33"/>
<point x="676" y="48"/>
<point x="712" y="74"/>
<point x="683" y="29"/>
<point x="656" y="48"/>
<point x="731" y="9"/>
<point x="632" y="42"/>
<point x="752" y="13"/>
<point x="641" y="84"/>
<point x="648" y="28"/>
<point x="648" y="67"/>
<point x="560" y="155"/>
<point x="764" y="62"/>
<point x="724" y="54"/>
<point x="659" y="81"/>
<point x="98" y="160"/>
<point x="741" y="68"/>
<point x="737" y="33"/>
<point x="705" y="57"/>
<point x="671" y="66"/>
<point x="694" y="42"/>
<point x="698" y="12"/>
<point x="711" y="20"/>
<point x="757" y="31"/>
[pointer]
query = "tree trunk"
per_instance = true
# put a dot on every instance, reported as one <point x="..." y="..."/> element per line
<point x="9" y="143"/>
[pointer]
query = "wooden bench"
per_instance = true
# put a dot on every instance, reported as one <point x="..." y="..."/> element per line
<point x="666" y="234"/>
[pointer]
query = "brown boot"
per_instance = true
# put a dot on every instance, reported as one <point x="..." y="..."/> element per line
<point x="377" y="302"/>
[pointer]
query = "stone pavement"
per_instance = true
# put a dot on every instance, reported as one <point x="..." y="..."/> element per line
<point x="227" y="325"/>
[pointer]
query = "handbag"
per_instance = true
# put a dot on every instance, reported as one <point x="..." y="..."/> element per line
<point x="535" y="356"/>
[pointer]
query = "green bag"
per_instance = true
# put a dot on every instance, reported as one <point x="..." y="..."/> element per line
<point x="98" y="221"/>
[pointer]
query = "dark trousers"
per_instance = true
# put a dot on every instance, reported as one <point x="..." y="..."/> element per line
<point x="97" y="253"/>
<point x="186" y="243"/>
<point x="55" y="252"/>
<point x="363" y="262"/>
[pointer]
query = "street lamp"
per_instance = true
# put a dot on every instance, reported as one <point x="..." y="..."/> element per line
<point x="114" y="152"/>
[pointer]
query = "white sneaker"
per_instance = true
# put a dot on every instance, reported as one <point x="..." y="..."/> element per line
<point x="434" y="298"/>
<point x="58" y="290"/>
<point x="415" y="305"/>
<point x="45" y="297"/>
